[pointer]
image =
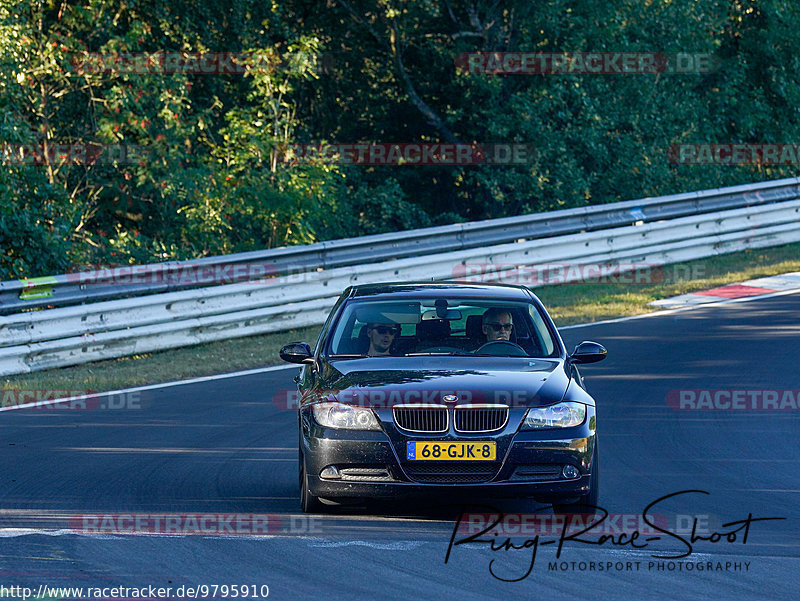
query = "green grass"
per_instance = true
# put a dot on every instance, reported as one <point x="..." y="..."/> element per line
<point x="164" y="366"/>
<point x="567" y="303"/>
<point x="580" y="303"/>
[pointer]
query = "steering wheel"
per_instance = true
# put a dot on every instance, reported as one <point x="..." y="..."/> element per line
<point x="505" y="348"/>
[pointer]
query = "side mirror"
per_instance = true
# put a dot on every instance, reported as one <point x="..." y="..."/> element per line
<point x="588" y="352"/>
<point x="297" y="352"/>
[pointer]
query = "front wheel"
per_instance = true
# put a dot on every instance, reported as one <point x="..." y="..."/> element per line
<point x="585" y="503"/>
<point x="309" y="503"/>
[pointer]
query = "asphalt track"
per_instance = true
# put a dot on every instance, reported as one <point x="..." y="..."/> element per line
<point x="222" y="446"/>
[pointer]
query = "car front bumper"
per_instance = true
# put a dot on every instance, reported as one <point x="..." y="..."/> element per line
<point x="371" y="464"/>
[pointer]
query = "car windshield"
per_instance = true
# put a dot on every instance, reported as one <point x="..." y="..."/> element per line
<point x="440" y="326"/>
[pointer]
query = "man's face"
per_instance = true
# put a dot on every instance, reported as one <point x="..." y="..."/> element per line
<point x="381" y="337"/>
<point x="498" y="327"/>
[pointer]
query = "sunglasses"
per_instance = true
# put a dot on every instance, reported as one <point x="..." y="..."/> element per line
<point x="383" y="330"/>
<point x="500" y="326"/>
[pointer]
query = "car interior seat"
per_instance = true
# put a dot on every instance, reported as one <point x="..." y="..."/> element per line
<point x="433" y="332"/>
<point x="474" y="330"/>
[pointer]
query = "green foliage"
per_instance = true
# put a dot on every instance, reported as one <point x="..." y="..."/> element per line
<point x="199" y="167"/>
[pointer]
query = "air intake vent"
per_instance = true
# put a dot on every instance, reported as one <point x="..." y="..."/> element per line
<point x="451" y="473"/>
<point x="427" y="418"/>
<point x="480" y="418"/>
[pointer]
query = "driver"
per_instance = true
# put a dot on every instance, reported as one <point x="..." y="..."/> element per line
<point x="381" y="336"/>
<point x="497" y="324"/>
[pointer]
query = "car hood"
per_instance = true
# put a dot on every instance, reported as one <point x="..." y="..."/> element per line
<point x="381" y="382"/>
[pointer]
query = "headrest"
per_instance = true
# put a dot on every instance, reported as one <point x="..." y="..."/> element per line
<point x="474" y="328"/>
<point x="433" y="329"/>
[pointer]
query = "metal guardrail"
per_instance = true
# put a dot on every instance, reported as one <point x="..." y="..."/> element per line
<point x="83" y="287"/>
<point x="69" y="335"/>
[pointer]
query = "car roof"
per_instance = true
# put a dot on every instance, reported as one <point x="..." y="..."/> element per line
<point x="437" y="289"/>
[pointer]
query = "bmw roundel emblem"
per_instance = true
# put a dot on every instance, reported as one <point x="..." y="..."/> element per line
<point x="449" y="398"/>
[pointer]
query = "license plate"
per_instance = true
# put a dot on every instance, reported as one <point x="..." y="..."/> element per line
<point x="451" y="451"/>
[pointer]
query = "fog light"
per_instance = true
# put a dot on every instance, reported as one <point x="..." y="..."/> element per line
<point x="330" y="473"/>
<point x="570" y="471"/>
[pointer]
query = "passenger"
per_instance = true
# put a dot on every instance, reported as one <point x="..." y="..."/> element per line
<point x="381" y="336"/>
<point x="497" y="324"/>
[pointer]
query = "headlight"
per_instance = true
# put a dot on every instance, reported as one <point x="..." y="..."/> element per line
<point x="560" y="415"/>
<point x="339" y="415"/>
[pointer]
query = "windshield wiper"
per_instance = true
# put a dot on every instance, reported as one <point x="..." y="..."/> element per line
<point x="454" y="354"/>
<point x="352" y="356"/>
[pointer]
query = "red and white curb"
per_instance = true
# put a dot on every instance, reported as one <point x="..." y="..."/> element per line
<point x="757" y="287"/>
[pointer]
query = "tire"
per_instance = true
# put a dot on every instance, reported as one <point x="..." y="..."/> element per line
<point x="308" y="502"/>
<point x="585" y="503"/>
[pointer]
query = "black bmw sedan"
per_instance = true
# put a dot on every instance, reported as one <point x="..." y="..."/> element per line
<point x="461" y="389"/>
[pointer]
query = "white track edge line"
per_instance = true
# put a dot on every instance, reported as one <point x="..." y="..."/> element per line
<point x="232" y="374"/>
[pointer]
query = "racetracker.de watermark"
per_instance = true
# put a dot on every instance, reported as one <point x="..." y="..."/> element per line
<point x="55" y="399"/>
<point x="585" y="63"/>
<point x="58" y="153"/>
<point x="544" y="274"/>
<point x="168" y="63"/>
<point x="432" y="399"/>
<point x="208" y="524"/>
<point x="176" y="274"/>
<point x="514" y="525"/>
<point x="547" y="524"/>
<point x="731" y="399"/>
<point x="410" y="153"/>
<point x="735" y="154"/>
